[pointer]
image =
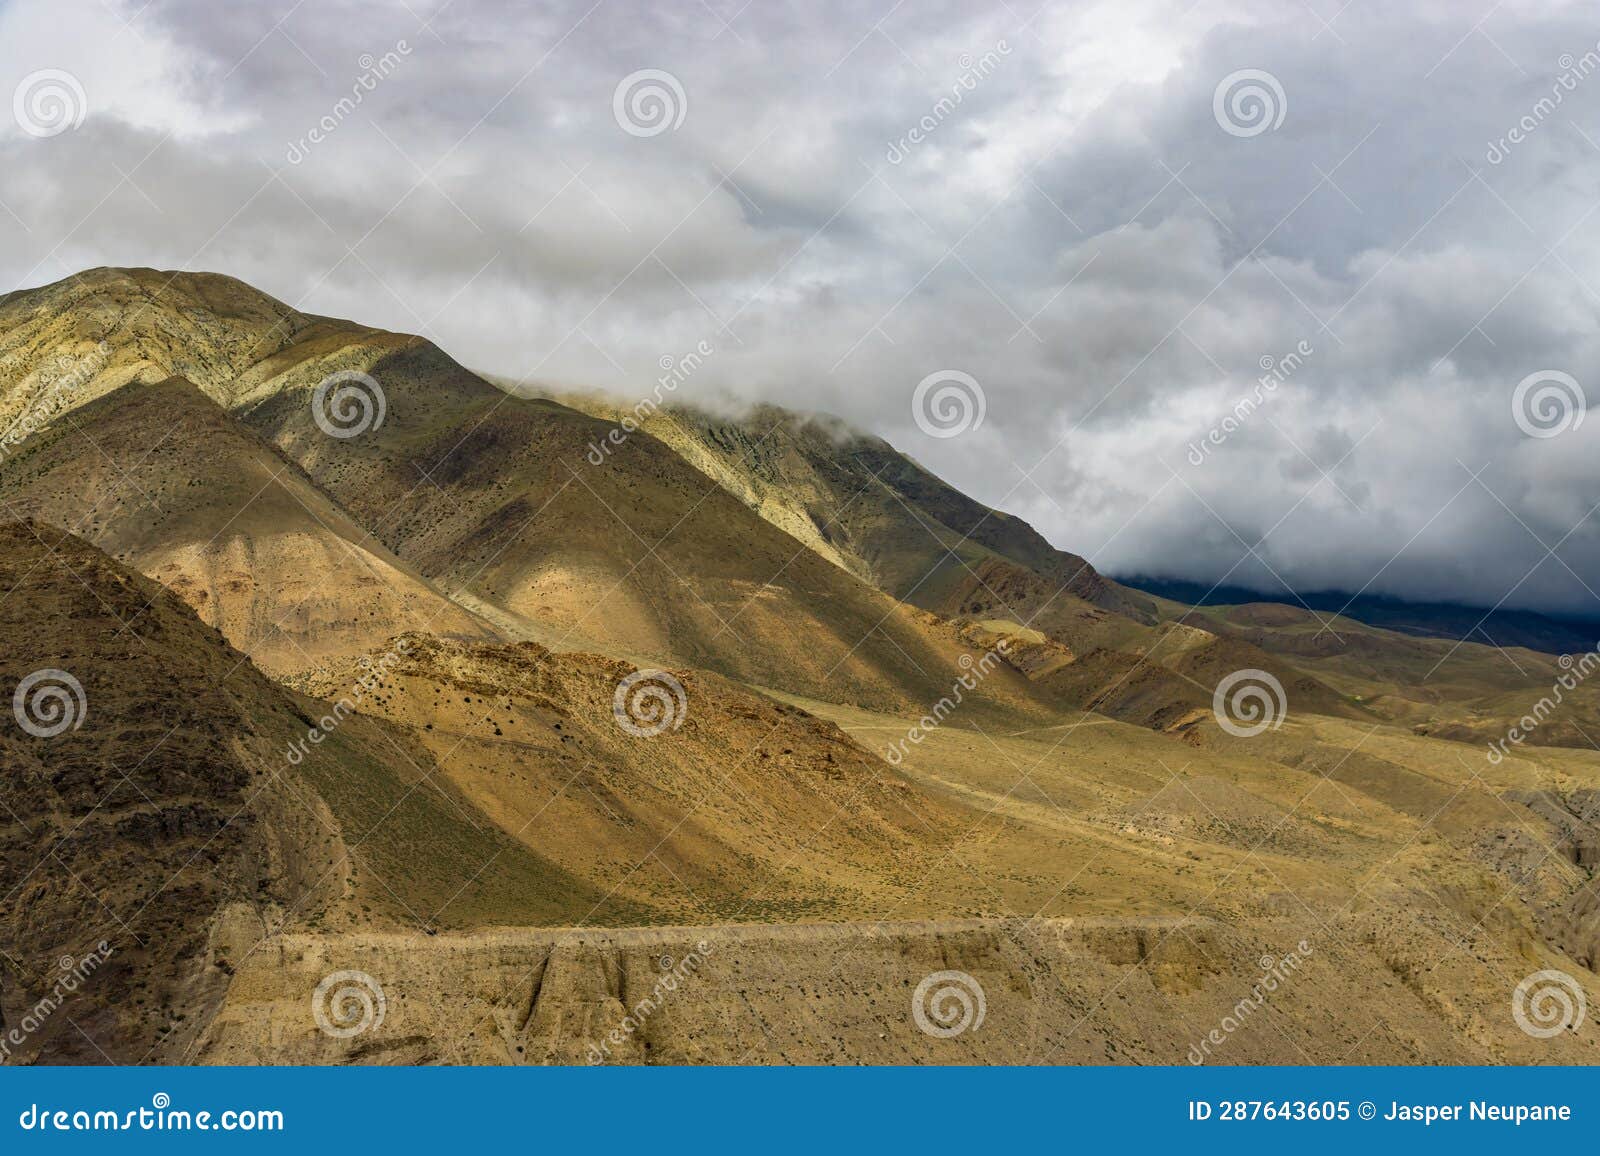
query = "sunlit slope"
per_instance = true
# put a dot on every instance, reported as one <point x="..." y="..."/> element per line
<point x="162" y="478"/>
<point x="862" y="504"/>
<point x="705" y="801"/>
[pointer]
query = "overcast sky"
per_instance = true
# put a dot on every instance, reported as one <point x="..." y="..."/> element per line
<point x="1109" y="216"/>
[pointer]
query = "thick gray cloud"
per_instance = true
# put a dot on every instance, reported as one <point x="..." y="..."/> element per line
<point x="860" y="196"/>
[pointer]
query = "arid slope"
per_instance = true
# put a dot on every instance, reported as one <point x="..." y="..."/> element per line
<point x="162" y="478"/>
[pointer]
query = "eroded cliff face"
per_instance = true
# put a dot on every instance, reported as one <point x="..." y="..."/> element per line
<point x="1050" y="991"/>
<point x="1564" y="902"/>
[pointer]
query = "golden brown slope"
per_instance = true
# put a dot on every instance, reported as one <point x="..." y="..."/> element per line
<point x="161" y="478"/>
<point x="721" y="805"/>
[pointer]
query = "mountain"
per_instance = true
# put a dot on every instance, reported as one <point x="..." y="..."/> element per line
<point x="384" y="674"/>
<point x="676" y="550"/>
<point x="1491" y="626"/>
<point x="780" y="550"/>
<point x="876" y="513"/>
<point x="488" y="497"/>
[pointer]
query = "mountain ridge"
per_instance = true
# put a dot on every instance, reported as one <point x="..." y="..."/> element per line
<point x="488" y="496"/>
<point x="847" y="494"/>
<point x="1496" y="626"/>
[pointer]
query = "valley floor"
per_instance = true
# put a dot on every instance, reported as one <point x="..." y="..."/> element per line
<point x="1149" y="903"/>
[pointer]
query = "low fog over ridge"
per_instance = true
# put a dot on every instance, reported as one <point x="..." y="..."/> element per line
<point x="1065" y="206"/>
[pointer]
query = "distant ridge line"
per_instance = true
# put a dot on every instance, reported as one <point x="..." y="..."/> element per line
<point x="1552" y="634"/>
